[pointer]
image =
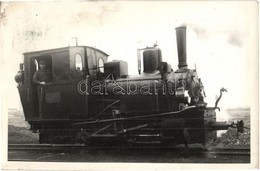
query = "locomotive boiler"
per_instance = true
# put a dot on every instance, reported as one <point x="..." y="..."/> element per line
<point x="93" y="100"/>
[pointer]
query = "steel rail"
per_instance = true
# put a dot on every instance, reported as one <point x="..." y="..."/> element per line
<point x="66" y="147"/>
<point x="46" y="147"/>
<point x="230" y="151"/>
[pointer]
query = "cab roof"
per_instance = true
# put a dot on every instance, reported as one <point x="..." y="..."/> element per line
<point x="60" y="49"/>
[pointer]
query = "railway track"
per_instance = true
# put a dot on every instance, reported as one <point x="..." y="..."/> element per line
<point x="230" y="151"/>
<point x="68" y="147"/>
<point x="45" y="147"/>
<point x="81" y="153"/>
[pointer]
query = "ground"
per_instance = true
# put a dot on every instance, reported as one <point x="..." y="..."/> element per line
<point x="231" y="137"/>
<point x="18" y="129"/>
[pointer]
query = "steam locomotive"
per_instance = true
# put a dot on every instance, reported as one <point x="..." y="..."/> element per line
<point x="92" y="100"/>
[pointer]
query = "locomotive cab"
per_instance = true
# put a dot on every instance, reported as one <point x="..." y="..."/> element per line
<point x="59" y="97"/>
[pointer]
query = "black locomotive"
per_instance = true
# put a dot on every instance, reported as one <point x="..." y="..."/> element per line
<point x="92" y="100"/>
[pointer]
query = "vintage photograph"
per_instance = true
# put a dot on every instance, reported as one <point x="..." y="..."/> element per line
<point x="129" y="84"/>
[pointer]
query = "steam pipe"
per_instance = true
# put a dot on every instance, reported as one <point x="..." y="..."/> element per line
<point x="181" y="46"/>
<point x="220" y="126"/>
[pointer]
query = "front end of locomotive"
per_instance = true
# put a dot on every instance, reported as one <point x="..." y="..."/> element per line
<point x="193" y="121"/>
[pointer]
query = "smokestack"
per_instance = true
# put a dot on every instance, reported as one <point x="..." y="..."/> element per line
<point x="181" y="46"/>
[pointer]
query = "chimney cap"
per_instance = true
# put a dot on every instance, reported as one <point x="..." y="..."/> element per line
<point x="181" y="27"/>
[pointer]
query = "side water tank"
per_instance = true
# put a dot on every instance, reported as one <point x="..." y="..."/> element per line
<point x="152" y="59"/>
<point x="116" y="69"/>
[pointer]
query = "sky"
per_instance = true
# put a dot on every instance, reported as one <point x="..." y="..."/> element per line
<point x="222" y="39"/>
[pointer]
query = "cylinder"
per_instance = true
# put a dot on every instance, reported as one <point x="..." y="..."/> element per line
<point x="181" y="46"/>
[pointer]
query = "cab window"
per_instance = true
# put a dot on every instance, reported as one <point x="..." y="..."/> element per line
<point x="78" y="62"/>
<point x="101" y="65"/>
<point x="34" y="65"/>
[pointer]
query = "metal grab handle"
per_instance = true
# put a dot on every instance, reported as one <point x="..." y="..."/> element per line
<point x="41" y="94"/>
